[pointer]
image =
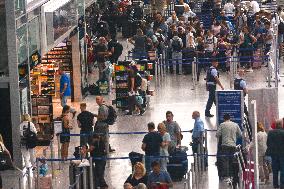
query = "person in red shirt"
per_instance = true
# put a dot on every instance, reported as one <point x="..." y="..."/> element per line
<point x="273" y="125"/>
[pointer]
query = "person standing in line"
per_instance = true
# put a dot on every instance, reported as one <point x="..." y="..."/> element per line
<point x="229" y="132"/>
<point x="101" y="126"/>
<point x="176" y="45"/>
<point x="85" y="121"/>
<point x="174" y="130"/>
<point x="66" y="127"/>
<point x="212" y="79"/>
<point x="262" y="147"/>
<point x="133" y="85"/>
<point x="65" y="89"/>
<point x="28" y="153"/>
<point x="151" y="145"/>
<point x="98" y="151"/>
<point x="275" y="143"/>
<point x="101" y="53"/>
<point x="165" y="145"/>
<point x="197" y="132"/>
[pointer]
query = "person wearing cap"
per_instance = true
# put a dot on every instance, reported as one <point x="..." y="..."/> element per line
<point x="212" y="79"/>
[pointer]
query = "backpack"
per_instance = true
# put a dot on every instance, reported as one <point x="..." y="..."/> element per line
<point x="112" y="115"/>
<point x="281" y="27"/>
<point x="176" y="46"/>
<point x="118" y="49"/>
<point x="138" y="80"/>
<point x="30" y="138"/>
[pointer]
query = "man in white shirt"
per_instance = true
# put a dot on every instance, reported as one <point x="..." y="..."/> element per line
<point x="229" y="9"/>
<point x="173" y="19"/>
<point x="188" y="14"/>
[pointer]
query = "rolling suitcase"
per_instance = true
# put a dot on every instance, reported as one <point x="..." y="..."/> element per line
<point x="75" y="170"/>
<point x="178" y="164"/>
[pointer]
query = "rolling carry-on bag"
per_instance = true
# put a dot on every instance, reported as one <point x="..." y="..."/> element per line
<point x="178" y="164"/>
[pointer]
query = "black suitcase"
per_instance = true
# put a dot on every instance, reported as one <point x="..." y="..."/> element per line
<point x="178" y="164"/>
<point x="135" y="157"/>
<point x="94" y="89"/>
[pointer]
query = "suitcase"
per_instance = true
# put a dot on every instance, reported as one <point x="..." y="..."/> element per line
<point x="248" y="176"/>
<point x="45" y="182"/>
<point x="135" y="157"/>
<point x="94" y="89"/>
<point x="178" y="164"/>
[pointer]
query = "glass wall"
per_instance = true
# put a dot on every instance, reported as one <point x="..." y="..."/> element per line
<point x="3" y="41"/>
<point x="20" y="6"/>
<point x="34" y="35"/>
<point x="22" y="44"/>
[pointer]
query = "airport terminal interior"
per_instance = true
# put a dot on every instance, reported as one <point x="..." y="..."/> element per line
<point x="141" y="94"/>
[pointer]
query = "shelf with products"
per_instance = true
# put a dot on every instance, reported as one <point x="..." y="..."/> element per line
<point x="44" y="75"/>
<point x="42" y="115"/>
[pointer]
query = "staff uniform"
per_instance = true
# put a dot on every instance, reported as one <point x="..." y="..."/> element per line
<point x="211" y="87"/>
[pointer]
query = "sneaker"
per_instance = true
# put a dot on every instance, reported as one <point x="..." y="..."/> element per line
<point x="111" y="150"/>
<point x="129" y="113"/>
<point x="209" y="115"/>
<point x="142" y="112"/>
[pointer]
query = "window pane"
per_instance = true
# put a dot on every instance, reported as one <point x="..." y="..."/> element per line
<point x="19" y="7"/>
<point x="22" y="44"/>
<point x="34" y="43"/>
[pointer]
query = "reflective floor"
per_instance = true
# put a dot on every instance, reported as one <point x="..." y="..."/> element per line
<point x="174" y="93"/>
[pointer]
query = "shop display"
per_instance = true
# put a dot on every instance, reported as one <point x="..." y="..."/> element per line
<point x="43" y="76"/>
<point x="121" y="75"/>
<point x="42" y="115"/>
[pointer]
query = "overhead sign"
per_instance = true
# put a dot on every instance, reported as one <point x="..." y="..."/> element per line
<point x="230" y="102"/>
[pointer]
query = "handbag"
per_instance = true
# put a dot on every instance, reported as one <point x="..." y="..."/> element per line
<point x="5" y="160"/>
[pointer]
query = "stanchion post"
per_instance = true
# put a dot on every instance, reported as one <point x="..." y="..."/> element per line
<point x="269" y="69"/>
<point x="206" y="146"/>
<point x="188" y="180"/>
<point x="184" y="185"/>
<point x="156" y="73"/>
<point x="193" y="73"/>
<point x="193" y="176"/>
<point x="58" y="150"/>
<point x="276" y="68"/>
<point x="161" y="65"/>
<point x="37" y="174"/>
<point x="20" y="183"/>
<point x="78" y="181"/>
<point x="29" y="178"/>
<point x="199" y="161"/>
<point x="107" y="147"/>
<point x="196" y="171"/>
<point x="240" y="171"/>
<point x="52" y="157"/>
<point x="85" y="178"/>
<point x="91" y="173"/>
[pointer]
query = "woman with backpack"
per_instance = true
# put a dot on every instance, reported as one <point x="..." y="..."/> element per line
<point x="26" y="128"/>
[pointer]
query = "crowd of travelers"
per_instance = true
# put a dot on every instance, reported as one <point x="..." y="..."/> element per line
<point x="183" y="36"/>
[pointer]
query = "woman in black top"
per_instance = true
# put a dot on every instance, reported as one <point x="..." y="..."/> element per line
<point x="138" y="176"/>
<point x="65" y="140"/>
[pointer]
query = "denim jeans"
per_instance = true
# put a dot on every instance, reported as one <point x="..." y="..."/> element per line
<point x="278" y="165"/>
<point x="63" y="100"/>
<point x="148" y="161"/>
<point x="227" y="159"/>
<point x="177" y="62"/>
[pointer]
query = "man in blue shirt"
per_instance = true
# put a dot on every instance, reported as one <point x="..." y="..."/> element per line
<point x="158" y="177"/>
<point x="65" y="89"/>
<point x="197" y="131"/>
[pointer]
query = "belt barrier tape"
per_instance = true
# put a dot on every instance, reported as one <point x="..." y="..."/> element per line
<point x="135" y="157"/>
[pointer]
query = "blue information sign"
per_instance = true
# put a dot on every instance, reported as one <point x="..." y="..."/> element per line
<point x="230" y="102"/>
